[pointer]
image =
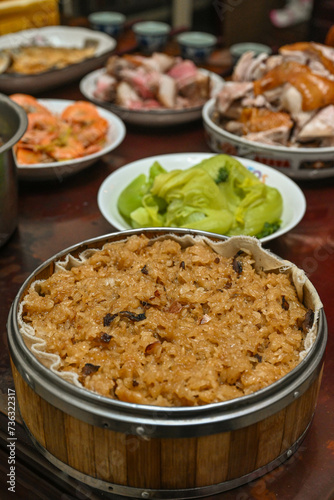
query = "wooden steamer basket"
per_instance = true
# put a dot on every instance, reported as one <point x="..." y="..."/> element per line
<point x="161" y="452"/>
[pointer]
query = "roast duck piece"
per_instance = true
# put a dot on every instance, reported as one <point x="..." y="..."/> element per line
<point x="285" y="99"/>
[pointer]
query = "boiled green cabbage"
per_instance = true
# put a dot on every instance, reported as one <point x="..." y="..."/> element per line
<point x="219" y="195"/>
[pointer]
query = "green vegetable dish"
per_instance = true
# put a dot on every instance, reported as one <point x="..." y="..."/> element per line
<point x="218" y="195"/>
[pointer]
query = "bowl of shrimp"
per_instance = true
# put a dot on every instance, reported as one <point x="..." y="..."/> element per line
<point x="63" y="137"/>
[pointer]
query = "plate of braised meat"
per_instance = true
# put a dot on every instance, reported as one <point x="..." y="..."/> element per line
<point x="156" y="90"/>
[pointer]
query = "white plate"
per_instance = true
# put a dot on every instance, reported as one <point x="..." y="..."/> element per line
<point x="149" y="117"/>
<point x="59" y="36"/>
<point x="59" y="170"/>
<point x="294" y="203"/>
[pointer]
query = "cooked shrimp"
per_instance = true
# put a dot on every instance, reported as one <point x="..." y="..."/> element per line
<point x="93" y="148"/>
<point x="40" y="121"/>
<point x="42" y="129"/>
<point x="29" y="157"/>
<point x="67" y="151"/>
<point x="29" y="103"/>
<point x="87" y="125"/>
<point x="80" y="112"/>
<point x="91" y="133"/>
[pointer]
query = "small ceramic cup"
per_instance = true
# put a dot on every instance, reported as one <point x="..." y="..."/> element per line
<point x="151" y="36"/>
<point x="238" y="49"/>
<point x="196" y="45"/>
<point x="111" y="23"/>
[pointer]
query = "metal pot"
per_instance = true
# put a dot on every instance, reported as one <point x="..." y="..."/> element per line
<point x="13" y="124"/>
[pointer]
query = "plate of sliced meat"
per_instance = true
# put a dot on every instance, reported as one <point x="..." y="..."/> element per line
<point x="157" y="90"/>
<point x="278" y="110"/>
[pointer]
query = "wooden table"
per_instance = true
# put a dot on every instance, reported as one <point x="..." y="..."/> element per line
<point x="56" y="215"/>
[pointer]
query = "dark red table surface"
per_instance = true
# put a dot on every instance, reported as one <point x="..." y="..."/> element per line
<point x="55" y="215"/>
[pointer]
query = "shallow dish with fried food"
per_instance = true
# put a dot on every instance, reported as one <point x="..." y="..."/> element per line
<point x="35" y="59"/>
<point x="65" y="67"/>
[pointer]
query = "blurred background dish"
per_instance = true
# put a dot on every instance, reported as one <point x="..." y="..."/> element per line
<point x="111" y="23"/>
<point x="294" y="204"/>
<point x="57" y="36"/>
<point x="59" y="170"/>
<point x="147" y="117"/>
<point x="151" y="35"/>
<point x="296" y="162"/>
<point x="238" y="49"/>
<point x="196" y="45"/>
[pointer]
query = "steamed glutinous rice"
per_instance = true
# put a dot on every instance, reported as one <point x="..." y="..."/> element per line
<point x="160" y="323"/>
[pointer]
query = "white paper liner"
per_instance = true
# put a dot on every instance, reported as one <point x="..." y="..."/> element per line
<point x="264" y="260"/>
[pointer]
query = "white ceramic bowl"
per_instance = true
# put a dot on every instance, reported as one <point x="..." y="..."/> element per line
<point x="151" y="35"/>
<point x="111" y="23"/>
<point x="60" y="170"/>
<point x="294" y="204"/>
<point x="148" y="117"/>
<point x="298" y="163"/>
<point x="196" y="45"/>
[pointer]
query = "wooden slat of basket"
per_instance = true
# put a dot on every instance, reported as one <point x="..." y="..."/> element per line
<point x="270" y="432"/>
<point x="53" y="420"/>
<point x="178" y="467"/>
<point x="80" y="445"/>
<point x="143" y="462"/>
<point x="110" y="455"/>
<point x="166" y="463"/>
<point x="212" y="458"/>
<point x="30" y="407"/>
